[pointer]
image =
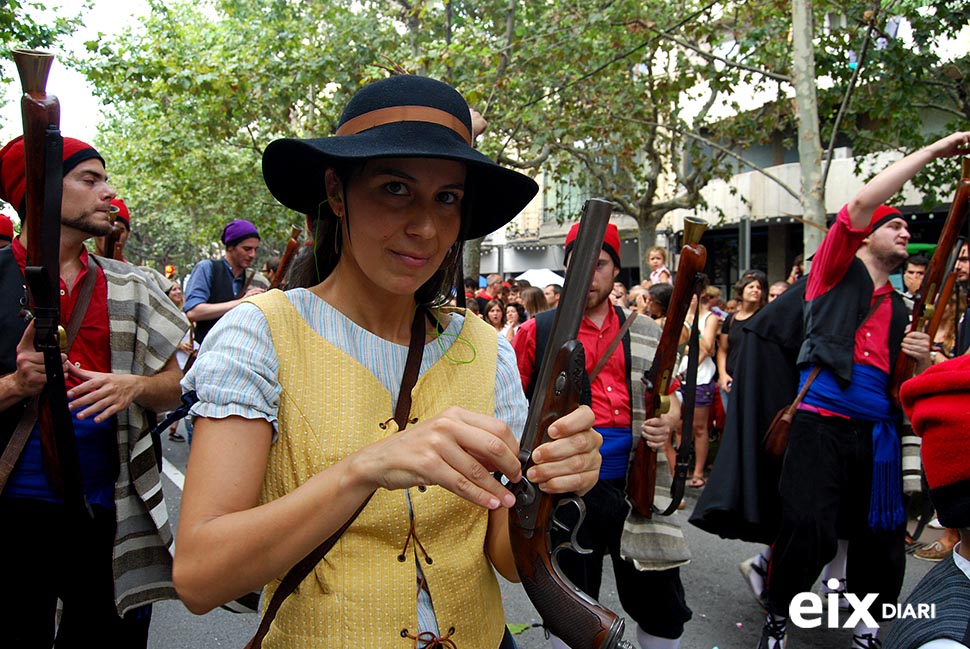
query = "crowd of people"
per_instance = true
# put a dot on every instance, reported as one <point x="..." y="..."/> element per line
<point x="411" y="433"/>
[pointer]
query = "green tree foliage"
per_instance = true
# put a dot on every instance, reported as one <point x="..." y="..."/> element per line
<point x="595" y="95"/>
<point x="20" y="27"/>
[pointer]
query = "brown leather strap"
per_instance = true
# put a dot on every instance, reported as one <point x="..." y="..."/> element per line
<point x="394" y="114"/>
<point x="18" y="440"/>
<point x="613" y="343"/>
<point x="299" y="572"/>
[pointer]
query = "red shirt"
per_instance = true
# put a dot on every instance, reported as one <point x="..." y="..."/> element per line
<point x="832" y="261"/>
<point x="611" y="400"/>
<point x="91" y="350"/>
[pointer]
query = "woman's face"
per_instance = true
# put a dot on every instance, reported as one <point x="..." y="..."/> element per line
<point x="511" y="315"/>
<point x="405" y="214"/>
<point x="751" y="292"/>
<point x="495" y="314"/>
<point x="175" y="294"/>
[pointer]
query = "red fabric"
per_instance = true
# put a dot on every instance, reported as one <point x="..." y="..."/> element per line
<point x="832" y="260"/>
<point x="6" y="227"/>
<point x="90" y="350"/>
<point x="485" y="295"/>
<point x="611" y="401"/>
<point x="13" y="174"/>
<point x="882" y="215"/>
<point x="937" y="403"/>
<point x="611" y="241"/>
<point x="122" y="213"/>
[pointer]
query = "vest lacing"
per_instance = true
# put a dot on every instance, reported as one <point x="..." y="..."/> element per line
<point x="417" y="544"/>
<point x="384" y="424"/>
<point x="431" y="640"/>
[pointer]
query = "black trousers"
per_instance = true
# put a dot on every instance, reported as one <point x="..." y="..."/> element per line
<point x="48" y="553"/>
<point x="653" y="598"/>
<point x="825" y="486"/>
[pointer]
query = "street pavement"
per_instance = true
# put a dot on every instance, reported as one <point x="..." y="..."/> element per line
<point x="725" y="613"/>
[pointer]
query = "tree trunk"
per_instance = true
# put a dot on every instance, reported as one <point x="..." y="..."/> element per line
<point x="806" y="113"/>
<point x="472" y="258"/>
<point x="647" y="238"/>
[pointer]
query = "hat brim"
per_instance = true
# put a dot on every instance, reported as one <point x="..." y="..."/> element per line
<point x="294" y="169"/>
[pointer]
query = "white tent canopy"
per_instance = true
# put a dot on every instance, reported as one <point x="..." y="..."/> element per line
<point x="541" y="277"/>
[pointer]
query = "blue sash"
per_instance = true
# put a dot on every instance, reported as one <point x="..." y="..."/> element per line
<point x="866" y="400"/>
<point x="617" y="443"/>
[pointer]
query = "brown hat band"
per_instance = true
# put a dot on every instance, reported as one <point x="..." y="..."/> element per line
<point x="394" y="114"/>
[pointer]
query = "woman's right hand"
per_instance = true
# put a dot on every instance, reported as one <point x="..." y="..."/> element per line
<point x="725" y="381"/>
<point x="458" y="450"/>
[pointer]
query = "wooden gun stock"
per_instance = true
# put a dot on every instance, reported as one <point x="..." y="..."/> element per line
<point x="291" y="247"/>
<point x="929" y="299"/>
<point x="642" y="476"/>
<point x="566" y="611"/>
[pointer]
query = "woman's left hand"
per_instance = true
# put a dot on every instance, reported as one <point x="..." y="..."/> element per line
<point x="570" y="463"/>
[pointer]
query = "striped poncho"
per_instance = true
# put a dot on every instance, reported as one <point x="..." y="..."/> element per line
<point x="145" y="328"/>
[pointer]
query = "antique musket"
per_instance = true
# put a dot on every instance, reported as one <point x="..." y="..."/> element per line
<point x="566" y="611"/>
<point x="930" y="298"/>
<point x="642" y="476"/>
<point x="43" y="149"/>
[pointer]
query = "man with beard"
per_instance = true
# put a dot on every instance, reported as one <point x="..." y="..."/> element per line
<point x="108" y="560"/>
<point x="841" y="475"/>
<point x="653" y="598"/>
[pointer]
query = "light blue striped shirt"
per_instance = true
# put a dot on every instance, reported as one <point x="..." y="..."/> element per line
<point x="236" y="372"/>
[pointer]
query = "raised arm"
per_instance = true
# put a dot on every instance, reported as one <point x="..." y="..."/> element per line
<point x="889" y="181"/>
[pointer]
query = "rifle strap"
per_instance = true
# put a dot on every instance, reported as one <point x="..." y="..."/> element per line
<point x="612" y="347"/>
<point x="299" y="572"/>
<point x="29" y="416"/>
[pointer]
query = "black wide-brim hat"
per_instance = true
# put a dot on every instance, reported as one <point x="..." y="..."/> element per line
<point x="402" y="116"/>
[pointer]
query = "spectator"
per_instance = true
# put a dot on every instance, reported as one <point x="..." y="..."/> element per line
<point x="552" y="293"/>
<point x="492" y="290"/>
<point x="515" y="315"/>
<point x="494" y="314"/>
<point x="619" y="295"/>
<point x="750" y="290"/>
<point x="270" y="267"/>
<point x="534" y="301"/>
<point x="777" y="289"/>
<point x="657" y="261"/>
<point x="797" y="270"/>
<point x="913" y="272"/>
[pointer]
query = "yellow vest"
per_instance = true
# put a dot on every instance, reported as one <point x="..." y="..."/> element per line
<point x="363" y="594"/>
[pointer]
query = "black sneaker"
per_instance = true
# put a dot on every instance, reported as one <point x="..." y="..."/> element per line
<point x="774" y="634"/>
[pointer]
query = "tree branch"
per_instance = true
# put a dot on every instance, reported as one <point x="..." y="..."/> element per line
<point x="871" y="26"/>
<point x="717" y="147"/>
<point x="713" y="57"/>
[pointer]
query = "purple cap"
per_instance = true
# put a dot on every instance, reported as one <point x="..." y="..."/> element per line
<point x="238" y="230"/>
